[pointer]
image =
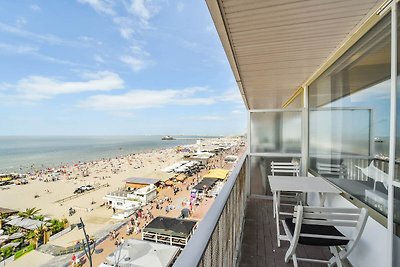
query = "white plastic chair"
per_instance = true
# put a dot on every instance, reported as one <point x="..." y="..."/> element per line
<point x="286" y="168"/>
<point x="285" y="198"/>
<point x="315" y="226"/>
<point x="333" y="170"/>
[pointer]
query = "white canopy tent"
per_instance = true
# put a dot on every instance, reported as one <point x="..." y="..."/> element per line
<point x="141" y="254"/>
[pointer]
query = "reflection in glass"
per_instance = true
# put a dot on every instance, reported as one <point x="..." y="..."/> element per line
<point x="275" y="131"/>
<point x="349" y="119"/>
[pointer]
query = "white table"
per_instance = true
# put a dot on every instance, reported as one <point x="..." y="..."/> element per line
<point x="298" y="184"/>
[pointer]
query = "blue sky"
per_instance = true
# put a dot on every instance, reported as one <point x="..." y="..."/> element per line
<point x="76" y="67"/>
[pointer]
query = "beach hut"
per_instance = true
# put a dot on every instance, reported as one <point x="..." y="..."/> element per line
<point x="205" y="184"/>
<point x="139" y="182"/>
<point x="170" y="231"/>
<point x="162" y="176"/>
<point x="217" y="174"/>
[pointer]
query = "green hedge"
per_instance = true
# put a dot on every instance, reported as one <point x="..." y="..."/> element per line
<point x="23" y="251"/>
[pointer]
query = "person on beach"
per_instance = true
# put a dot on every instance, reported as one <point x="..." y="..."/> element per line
<point x="114" y="234"/>
<point x="73" y="259"/>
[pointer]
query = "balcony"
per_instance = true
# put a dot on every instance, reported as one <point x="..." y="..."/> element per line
<point x="239" y="231"/>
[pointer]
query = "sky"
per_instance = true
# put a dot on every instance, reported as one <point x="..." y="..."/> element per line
<point x="114" y="67"/>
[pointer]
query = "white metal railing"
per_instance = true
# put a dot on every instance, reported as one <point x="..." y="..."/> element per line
<point x="216" y="242"/>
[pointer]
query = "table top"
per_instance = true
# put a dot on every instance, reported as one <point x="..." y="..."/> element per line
<point x="301" y="184"/>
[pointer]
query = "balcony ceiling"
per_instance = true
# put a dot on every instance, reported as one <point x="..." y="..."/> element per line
<point x="274" y="46"/>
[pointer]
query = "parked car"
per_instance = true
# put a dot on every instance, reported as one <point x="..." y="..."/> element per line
<point x="83" y="188"/>
<point x="87" y="187"/>
<point x="79" y="190"/>
<point x="21" y="181"/>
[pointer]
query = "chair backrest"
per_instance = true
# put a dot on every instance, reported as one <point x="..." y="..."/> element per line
<point x="285" y="168"/>
<point x="354" y="218"/>
<point x="331" y="170"/>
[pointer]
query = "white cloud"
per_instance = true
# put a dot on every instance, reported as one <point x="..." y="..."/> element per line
<point x="17" y="49"/>
<point x="141" y="99"/>
<point x="232" y="95"/>
<point x="196" y="47"/>
<point x="180" y="6"/>
<point x="11" y="49"/>
<point x="237" y="111"/>
<point x="86" y="38"/>
<point x="125" y="26"/>
<point x="209" y="118"/>
<point x="35" y="8"/>
<point x="138" y="8"/>
<point x="34" y="88"/>
<point x="137" y="59"/>
<point x="133" y="19"/>
<point x="210" y="28"/>
<point x="136" y="64"/>
<point x="100" y="6"/>
<point x="144" y="9"/>
<point x="20" y="22"/>
<point x="137" y="50"/>
<point x="45" y="38"/>
<point x="99" y="59"/>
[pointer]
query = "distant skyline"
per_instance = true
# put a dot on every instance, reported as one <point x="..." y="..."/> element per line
<point x="100" y="67"/>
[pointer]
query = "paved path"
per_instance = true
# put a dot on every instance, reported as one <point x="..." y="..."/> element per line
<point x="198" y="213"/>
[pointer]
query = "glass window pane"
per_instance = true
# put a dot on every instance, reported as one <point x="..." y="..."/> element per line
<point x="340" y="131"/>
<point x="275" y="131"/>
<point x="350" y="119"/>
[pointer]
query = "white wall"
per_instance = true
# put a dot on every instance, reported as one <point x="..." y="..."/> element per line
<point x="371" y="249"/>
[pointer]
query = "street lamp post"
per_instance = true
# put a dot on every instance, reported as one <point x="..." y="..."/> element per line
<point x="87" y="250"/>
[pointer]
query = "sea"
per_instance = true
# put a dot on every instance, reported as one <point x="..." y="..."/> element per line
<point x="22" y="154"/>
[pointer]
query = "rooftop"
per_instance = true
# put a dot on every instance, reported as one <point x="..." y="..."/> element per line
<point x="170" y="226"/>
<point x="141" y="180"/>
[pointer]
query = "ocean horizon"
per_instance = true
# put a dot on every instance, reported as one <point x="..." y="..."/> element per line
<point x="24" y="153"/>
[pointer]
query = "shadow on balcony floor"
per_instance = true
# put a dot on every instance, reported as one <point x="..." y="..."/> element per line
<point x="259" y="246"/>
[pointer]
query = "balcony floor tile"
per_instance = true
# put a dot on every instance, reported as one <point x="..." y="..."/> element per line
<point x="259" y="247"/>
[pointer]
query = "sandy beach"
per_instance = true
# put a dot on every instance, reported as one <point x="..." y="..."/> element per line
<point x="114" y="171"/>
<point x="54" y="198"/>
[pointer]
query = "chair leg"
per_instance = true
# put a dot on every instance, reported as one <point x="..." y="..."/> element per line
<point x="277" y="210"/>
<point x="294" y="258"/>
<point x="335" y="258"/>
<point x="274" y="203"/>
